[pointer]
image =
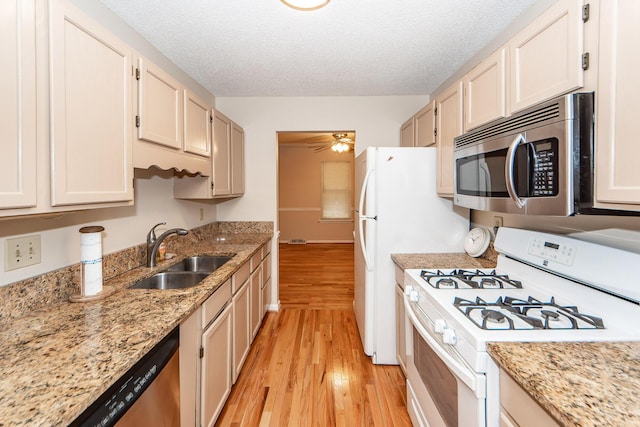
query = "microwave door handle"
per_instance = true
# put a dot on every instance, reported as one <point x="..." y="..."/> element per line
<point x="508" y="171"/>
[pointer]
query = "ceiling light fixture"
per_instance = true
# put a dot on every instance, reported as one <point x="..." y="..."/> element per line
<point x="340" y="147"/>
<point x="306" y="4"/>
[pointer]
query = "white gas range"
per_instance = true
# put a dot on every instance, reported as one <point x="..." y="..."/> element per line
<point x="544" y="288"/>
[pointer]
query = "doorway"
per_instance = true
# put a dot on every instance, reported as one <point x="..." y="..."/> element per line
<point x="315" y="217"/>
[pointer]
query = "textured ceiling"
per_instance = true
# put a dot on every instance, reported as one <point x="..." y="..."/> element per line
<point x="348" y="48"/>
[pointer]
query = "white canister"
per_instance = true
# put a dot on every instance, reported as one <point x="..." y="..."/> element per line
<point x="91" y="260"/>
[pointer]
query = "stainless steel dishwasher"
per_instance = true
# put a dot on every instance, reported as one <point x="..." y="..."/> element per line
<point x="147" y="395"/>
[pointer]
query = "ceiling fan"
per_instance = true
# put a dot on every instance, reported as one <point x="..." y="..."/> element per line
<point x="319" y="141"/>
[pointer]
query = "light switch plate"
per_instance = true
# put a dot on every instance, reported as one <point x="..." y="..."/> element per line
<point x="21" y="252"/>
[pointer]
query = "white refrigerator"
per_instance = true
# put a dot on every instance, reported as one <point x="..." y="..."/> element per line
<point x="397" y="211"/>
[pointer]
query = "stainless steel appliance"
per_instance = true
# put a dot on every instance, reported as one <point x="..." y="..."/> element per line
<point x="148" y="394"/>
<point x="537" y="162"/>
<point x="544" y="288"/>
<point x="389" y="179"/>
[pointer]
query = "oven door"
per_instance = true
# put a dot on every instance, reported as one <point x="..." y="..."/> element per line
<point x="442" y="389"/>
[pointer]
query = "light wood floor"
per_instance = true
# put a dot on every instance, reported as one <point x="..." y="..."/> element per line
<point x="306" y="367"/>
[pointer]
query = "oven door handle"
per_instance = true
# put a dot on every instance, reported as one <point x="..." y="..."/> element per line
<point x="476" y="382"/>
<point x="508" y="170"/>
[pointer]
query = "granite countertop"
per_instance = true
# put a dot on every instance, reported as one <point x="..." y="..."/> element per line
<point x="445" y="260"/>
<point x="56" y="361"/>
<point x="579" y="384"/>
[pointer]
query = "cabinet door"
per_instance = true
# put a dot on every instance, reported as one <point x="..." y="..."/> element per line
<point x="256" y="301"/>
<point x="221" y="154"/>
<point x="216" y="367"/>
<point x="617" y="148"/>
<point x="401" y="341"/>
<point x="160" y="106"/>
<point x="18" y="104"/>
<point x="91" y="120"/>
<point x="190" y="344"/>
<point x="485" y="91"/>
<point x="197" y="125"/>
<point x="266" y="296"/>
<point x="449" y="119"/>
<point x="237" y="160"/>
<point x="546" y="57"/>
<point x="425" y="124"/>
<point x="406" y="133"/>
<point x="241" y="328"/>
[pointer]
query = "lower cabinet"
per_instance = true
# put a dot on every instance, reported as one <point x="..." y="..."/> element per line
<point x="518" y="409"/>
<point x="241" y="327"/>
<point x="205" y="359"/>
<point x="216" y="367"/>
<point x="216" y="338"/>
<point x="266" y="279"/>
<point x="401" y="342"/>
<point x="256" y="301"/>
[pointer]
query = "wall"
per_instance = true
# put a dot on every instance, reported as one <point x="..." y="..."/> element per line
<point x="300" y="196"/>
<point x="376" y="121"/>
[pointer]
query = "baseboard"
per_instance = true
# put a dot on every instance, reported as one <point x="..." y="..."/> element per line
<point x="274" y="307"/>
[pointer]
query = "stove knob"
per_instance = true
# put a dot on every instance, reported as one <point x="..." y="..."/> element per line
<point x="449" y="336"/>
<point x="408" y="289"/>
<point x="439" y="326"/>
<point x="414" y="296"/>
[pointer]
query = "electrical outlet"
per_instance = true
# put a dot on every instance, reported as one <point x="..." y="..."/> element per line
<point x="497" y="223"/>
<point x="201" y="214"/>
<point x="21" y="252"/>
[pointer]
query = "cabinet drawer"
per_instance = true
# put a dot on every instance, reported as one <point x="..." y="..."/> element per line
<point x="214" y="304"/>
<point x="240" y="277"/>
<point x="266" y="249"/>
<point x="256" y="259"/>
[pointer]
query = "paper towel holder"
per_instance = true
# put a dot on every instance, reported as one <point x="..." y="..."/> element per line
<point x="91" y="232"/>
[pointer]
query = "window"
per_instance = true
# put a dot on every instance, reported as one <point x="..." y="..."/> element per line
<point x="336" y="190"/>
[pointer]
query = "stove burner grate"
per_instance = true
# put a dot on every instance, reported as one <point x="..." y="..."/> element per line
<point x="525" y="314"/>
<point x="476" y="279"/>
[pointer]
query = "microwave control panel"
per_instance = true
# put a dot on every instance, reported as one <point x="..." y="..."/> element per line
<point x="544" y="176"/>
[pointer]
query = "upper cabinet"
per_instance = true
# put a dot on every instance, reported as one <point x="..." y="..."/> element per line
<point x="237" y="160"/>
<point x="617" y="148"/>
<point x="18" y="104"/>
<point x="76" y="151"/>
<point x="419" y="130"/>
<point x="449" y="125"/>
<point x="425" y="126"/>
<point x="173" y="124"/>
<point x="485" y="96"/>
<point x="91" y="106"/>
<point x="197" y="125"/>
<point x="221" y="155"/>
<point x="226" y="173"/>
<point x="407" y="133"/>
<point x="546" y="58"/>
<point x="159" y="118"/>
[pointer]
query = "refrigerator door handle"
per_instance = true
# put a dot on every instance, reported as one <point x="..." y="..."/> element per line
<point x="363" y="246"/>
<point x="363" y="193"/>
<point x="362" y="218"/>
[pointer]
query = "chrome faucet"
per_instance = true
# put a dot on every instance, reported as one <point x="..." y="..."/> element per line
<point x="153" y="243"/>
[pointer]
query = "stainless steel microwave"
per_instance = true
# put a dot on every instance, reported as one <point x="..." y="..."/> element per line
<point x="536" y="162"/>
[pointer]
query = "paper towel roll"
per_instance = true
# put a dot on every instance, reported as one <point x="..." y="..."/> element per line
<point x="91" y="260"/>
